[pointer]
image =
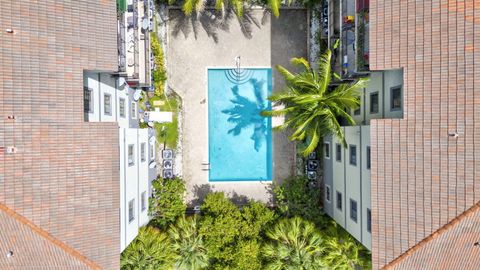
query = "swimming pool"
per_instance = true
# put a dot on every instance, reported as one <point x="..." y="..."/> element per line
<point x="239" y="138"/>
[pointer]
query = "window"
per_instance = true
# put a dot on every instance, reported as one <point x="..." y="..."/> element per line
<point x="142" y="152"/>
<point x="353" y="210"/>
<point x="134" y="110"/>
<point x="357" y="111"/>
<point x="396" y="98"/>
<point x="353" y="155"/>
<point x="107" y="104"/>
<point x="327" y="193"/>
<point x="369" y="220"/>
<point x="326" y="148"/>
<point x="87" y="100"/>
<point x="144" y="200"/>
<point x="374" y="102"/>
<point x="121" y="104"/>
<point x="152" y="151"/>
<point x="131" y="155"/>
<point x="131" y="210"/>
<point x="368" y="157"/>
<point x="339" y="201"/>
<point x="338" y="152"/>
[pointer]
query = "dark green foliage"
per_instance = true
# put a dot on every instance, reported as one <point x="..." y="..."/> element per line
<point x="232" y="236"/>
<point x="342" y="251"/>
<point x="188" y="245"/>
<point x="229" y="237"/>
<point x="294" y="244"/>
<point x="311" y="107"/>
<point x="150" y="250"/>
<point x="159" y="74"/>
<point x="295" y="197"/>
<point x="167" y="203"/>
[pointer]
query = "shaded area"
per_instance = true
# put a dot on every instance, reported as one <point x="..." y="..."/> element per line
<point x="212" y="21"/>
<point x="200" y="192"/>
<point x="245" y="113"/>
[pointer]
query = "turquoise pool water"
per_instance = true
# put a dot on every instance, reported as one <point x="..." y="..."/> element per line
<point x="239" y="139"/>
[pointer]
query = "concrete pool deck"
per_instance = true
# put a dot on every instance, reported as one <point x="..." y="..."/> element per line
<point x="197" y="43"/>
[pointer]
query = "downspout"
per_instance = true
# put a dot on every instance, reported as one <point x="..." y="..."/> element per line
<point x="361" y="198"/>
<point x="99" y="98"/>
<point x="344" y="195"/>
<point x="383" y="94"/>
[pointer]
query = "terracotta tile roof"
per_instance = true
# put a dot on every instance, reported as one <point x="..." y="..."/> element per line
<point x="454" y="240"/>
<point x="30" y="243"/>
<point x="64" y="176"/>
<point x="422" y="178"/>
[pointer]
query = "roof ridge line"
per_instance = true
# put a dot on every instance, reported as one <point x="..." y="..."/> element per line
<point x="433" y="235"/>
<point x="46" y="235"/>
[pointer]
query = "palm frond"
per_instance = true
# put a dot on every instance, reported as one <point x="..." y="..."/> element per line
<point x="275" y="7"/>
<point x="301" y="62"/>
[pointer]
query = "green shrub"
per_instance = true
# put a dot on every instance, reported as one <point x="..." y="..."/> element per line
<point x="150" y="250"/>
<point x="232" y="236"/>
<point x="159" y="74"/>
<point x="167" y="203"/>
<point x="295" y="197"/>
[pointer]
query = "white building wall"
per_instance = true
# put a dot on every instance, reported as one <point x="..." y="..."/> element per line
<point x="366" y="198"/>
<point x="121" y="138"/>
<point x="338" y="177"/>
<point x="108" y="87"/>
<point x="353" y="181"/>
<point x="91" y="81"/>
<point x="122" y="95"/>
<point x="131" y="185"/>
<point x="375" y="85"/>
<point x="143" y="178"/>
<point x="392" y="78"/>
<point x="134" y="178"/>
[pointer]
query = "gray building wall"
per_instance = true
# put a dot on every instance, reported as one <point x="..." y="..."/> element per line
<point x="381" y="83"/>
<point x="365" y="186"/>
<point x="328" y="178"/>
<point x="351" y="180"/>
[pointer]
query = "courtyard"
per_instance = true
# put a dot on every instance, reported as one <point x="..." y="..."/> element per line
<point x="211" y="40"/>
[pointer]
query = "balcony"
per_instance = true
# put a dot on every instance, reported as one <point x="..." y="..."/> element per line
<point x="348" y="21"/>
<point x="135" y="24"/>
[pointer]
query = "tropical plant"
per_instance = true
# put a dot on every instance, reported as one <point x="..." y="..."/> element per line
<point x="150" y="250"/>
<point x="188" y="245"/>
<point x="167" y="203"/>
<point x="342" y="251"/>
<point x="295" y="244"/>
<point x="220" y="227"/>
<point x="232" y="236"/>
<point x="190" y="6"/>
<point x="159" y="74"/>
<point x="295" y="196"/>
<point x="311" y="108"/>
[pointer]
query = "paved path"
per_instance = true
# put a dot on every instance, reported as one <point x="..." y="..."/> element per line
<point x="197" y="43"/>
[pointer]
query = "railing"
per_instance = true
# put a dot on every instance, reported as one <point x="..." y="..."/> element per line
<point x="136" y="38"/>
<point x="122" y="65"/>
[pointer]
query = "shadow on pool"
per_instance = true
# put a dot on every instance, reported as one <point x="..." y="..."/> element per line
<point x="245" y="113"/>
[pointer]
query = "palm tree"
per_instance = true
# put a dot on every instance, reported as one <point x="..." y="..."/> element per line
<point x="295" y="244"/>
<point x="193" y="5"/>
<point x="188" y="244"/>
<point x="342" y="251"/>
<point x="311" y="108"/>
<point x="189" y="6"/>
<point x="150" y="250"/>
